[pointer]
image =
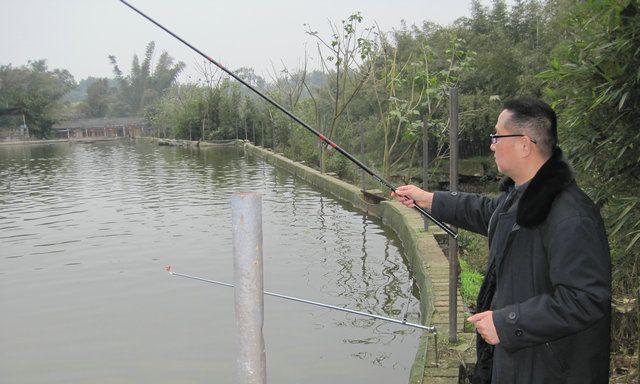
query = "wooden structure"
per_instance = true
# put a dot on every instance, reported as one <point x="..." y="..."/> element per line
<point x="102" y="127"/>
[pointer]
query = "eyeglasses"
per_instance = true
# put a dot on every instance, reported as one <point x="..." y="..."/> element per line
<point x="494" y="138"/>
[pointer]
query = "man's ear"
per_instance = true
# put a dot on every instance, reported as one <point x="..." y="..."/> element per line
<point x="526" y="148"/>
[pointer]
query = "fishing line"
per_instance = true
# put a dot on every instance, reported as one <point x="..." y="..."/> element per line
<point x="328" y="142"/>
<point x="409" y="294"/>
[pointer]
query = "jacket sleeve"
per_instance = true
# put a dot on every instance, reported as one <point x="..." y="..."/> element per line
<point x="580" y="273"/>
<point x="465" y="210"/>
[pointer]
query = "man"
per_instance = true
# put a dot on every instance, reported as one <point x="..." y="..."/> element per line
<point x="543" y="313"/>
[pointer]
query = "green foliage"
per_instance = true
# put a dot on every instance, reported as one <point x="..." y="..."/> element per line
<point x="197" y="112"/>
<point x="388" y="83"/>
<point x="144" y="85"/>
<point x="412" y="73"/>
<point x="594" y="82"/>
<point x="99" y="96"/>
<point x="38" y="91"/>
<point x="79" y="92"/>
<point x="474" y="249"/>
<point x="470" y="283"/>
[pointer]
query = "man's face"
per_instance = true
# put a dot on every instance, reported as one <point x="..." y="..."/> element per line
<point x="504" y="150"/>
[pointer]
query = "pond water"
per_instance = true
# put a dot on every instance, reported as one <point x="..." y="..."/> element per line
<point x="85" y="230"/>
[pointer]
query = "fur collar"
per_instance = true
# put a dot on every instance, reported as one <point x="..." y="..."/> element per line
<point x="552" y="178"/>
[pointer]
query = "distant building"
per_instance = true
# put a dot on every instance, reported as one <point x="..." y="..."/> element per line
<point x="102" y="127"/>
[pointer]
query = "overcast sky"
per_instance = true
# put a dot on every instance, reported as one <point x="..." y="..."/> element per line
<point x="78" y="35"/>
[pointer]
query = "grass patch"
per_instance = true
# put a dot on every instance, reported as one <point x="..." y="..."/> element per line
<point x="474" y="253"/>
<point x="474" y="249"/>
<point x="470" y="282"/>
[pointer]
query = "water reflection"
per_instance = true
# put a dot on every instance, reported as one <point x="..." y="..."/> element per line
<point x="86" y="229"/>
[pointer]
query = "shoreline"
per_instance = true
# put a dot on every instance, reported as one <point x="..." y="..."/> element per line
<point x="53" y="141"/>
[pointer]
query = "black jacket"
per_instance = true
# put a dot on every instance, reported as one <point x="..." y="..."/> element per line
<point x="548" y="281"/>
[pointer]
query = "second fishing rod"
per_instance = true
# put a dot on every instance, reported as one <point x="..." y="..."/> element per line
<point x="328" y="142"/>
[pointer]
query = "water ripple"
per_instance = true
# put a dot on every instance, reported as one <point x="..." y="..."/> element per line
<point x="90" y="214"/>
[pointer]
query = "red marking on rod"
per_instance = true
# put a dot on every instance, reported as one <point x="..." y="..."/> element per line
<point x="329" y="142"/>
<point x="167" y="268"/>
<point x="218" y="64"/>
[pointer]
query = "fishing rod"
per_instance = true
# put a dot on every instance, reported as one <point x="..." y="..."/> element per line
<point x="328" y="142"/>
<point x="433" y="330"/>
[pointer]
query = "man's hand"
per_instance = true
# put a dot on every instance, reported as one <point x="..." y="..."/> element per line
<point x="483" y="322"/>
<point x="410" y="195"/>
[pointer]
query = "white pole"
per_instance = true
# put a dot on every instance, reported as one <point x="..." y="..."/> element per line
<point x="246" y="220"/>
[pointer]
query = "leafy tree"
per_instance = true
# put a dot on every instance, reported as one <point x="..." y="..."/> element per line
<point x="479" y="21"/>
<point x="99" y="96"/>
<point x="499" y="15"/>
<point x="79" y="93"/>
<point x="38" y="91"/>
<point x="343" y="59"/>
<point x="143" y="86"/>
<point x="411" y="79"/>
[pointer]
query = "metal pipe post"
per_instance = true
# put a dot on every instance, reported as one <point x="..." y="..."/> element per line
<point x="361" y="126"/>
<point x="453" y="243"/>
<point x="425" y="161"/>
<point x="249" y="301"/>
<point x="273" y="137"/>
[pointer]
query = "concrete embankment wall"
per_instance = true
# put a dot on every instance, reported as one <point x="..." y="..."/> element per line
<point x="426" y="258"/>
<point x="191" y="143"/>
<point x="54" y="141"/>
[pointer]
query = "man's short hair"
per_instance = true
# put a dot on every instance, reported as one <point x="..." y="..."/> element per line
<point x="536" y="119"/>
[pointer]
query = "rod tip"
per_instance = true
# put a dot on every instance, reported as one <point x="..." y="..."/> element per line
<point x="167" y="268"/>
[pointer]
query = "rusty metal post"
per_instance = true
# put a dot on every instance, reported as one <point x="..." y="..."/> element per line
<point x="425" y="161"/>
<point x="246" y="220"/>
<point x="453" y="187"/>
